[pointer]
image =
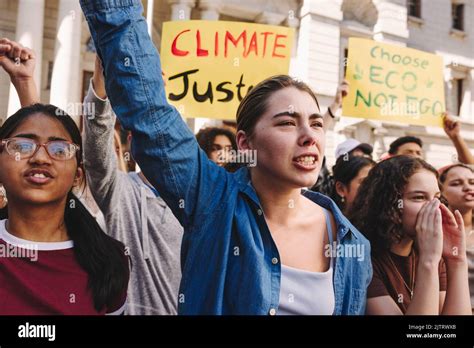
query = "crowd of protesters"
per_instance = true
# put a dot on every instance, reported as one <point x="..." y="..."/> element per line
<point x="190" y="231"/>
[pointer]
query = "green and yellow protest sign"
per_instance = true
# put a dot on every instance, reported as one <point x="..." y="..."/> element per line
<point x="211" y="65"/>
<point x="394" y="83"/>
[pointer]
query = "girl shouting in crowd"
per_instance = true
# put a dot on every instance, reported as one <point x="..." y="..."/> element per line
<point x="63" y="263"/>
<point x="253" y="243"/>
<point x="457" y="187"/>
<point x="410" y="231"/>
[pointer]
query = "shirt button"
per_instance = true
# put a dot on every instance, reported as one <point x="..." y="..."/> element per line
<point x="272" y="311"/>
<point x="259" y="212"/>
<point x="274" y="260"/>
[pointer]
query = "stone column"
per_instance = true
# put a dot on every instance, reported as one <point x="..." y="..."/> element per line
<point x="29" y="32"/>
<point x="318" y="46"/>
<point x="293" y="22"/>
<point x="391" y="26"/>
<point x="470" y="113"/>
<point x="270" y="18"/>
<point x="66" y="78"/>
<point x="181" y="9"/>
<point x="149" y="16"/>
<point x="210" y="9"/>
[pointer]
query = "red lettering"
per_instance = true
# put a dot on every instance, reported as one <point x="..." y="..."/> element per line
<point x="216" y="44"/>
<point x="176" y="51"/>
<point x="199" y="51"/>
<point x="229" y="37"/>
<point x="265" y="35"/>
<point x="252" y="46"/>
<point x="277" y="45"/>
<point x="244" y="44"/>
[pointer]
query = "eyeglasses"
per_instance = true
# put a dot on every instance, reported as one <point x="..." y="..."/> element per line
<point x="24" y="148"/>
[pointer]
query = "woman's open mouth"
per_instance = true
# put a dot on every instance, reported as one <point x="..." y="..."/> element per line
<point x="469" y="196"/>
<point x="307" y="162"/>
<point x="38" y="176"/>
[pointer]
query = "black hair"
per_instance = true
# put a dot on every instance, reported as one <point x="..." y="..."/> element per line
<point x="102" y="257"/>
<point x="206" y="136"/>
<point x="444" y="173"/>
<point x="401" y="141"/>
<point x="345" y="170"/>
<point x="123" y="135"/>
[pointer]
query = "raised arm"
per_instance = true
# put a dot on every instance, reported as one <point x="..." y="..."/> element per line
<point x="330" y="115"/>
<point x="100" y="160"/>
<point x="452" y="128"/>
<point x="19" y="63"/>
<point x="458" y="300"/>
<point x="162" y="144"/>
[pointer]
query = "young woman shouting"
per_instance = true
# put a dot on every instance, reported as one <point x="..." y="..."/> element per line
<point x="254" y="242"/>
<point x="418" y="245"/>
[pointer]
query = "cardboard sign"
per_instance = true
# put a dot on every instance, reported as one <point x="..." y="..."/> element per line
<point x="211" y="65"/>
<point x="393" y="83"/>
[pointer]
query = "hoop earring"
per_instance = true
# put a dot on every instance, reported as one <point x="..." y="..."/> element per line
<point x="3" y="197"/>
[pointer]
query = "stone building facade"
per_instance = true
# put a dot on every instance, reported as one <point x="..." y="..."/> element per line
<point x="57" y="31"/>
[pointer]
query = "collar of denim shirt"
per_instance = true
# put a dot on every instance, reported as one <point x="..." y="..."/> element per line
<point x="342" y="223"/>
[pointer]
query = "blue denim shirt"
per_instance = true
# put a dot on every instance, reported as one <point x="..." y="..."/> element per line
<point x="230" y="263"/>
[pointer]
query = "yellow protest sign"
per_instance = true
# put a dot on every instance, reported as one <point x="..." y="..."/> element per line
<point x="394" y="83"/>
<point x="211" y="65"/>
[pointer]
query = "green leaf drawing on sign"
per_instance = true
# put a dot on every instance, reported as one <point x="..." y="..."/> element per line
<point x="358" y="73"/>
<point x="429" y="83"/>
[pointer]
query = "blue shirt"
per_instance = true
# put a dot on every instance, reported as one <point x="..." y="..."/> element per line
<point x="230" y="263"/>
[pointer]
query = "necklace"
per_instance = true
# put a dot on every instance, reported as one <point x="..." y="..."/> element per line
<point x="413" y="270"/>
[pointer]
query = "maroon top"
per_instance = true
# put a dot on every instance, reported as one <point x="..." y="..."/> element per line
<point x="45" y="281"/>
<point x="386" y="280"/>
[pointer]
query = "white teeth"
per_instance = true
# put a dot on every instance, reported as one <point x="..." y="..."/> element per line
<point x="306" y="160"/>
<point x="39" y="175"/>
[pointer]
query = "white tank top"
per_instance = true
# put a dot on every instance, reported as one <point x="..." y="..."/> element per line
<point x="307" y="293"/>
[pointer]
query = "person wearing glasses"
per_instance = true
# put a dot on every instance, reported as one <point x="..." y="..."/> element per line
<point x="54" y="258"/>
